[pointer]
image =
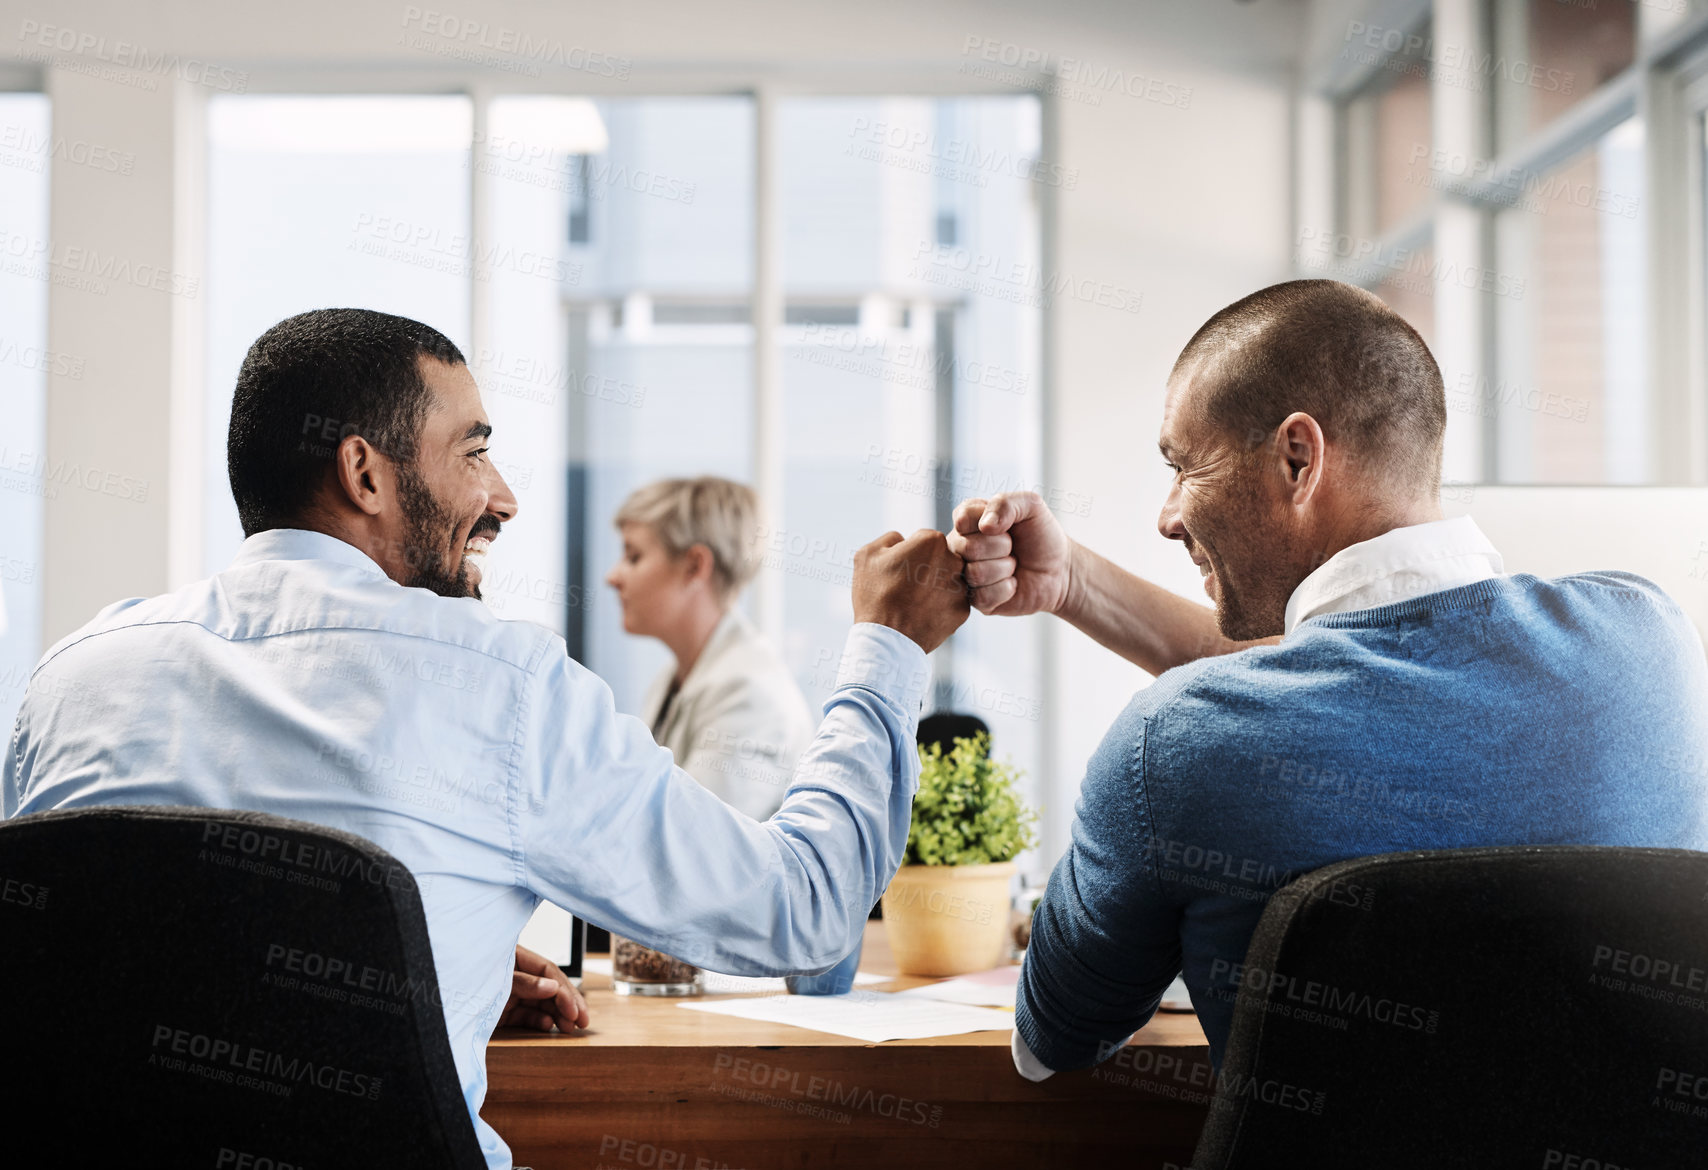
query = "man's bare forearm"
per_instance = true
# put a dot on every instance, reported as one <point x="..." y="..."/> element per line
<point x="1143" y="623"/>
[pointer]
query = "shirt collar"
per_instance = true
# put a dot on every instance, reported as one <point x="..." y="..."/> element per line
<point x="1398" y="565"/>
<point x="302" y="544"/>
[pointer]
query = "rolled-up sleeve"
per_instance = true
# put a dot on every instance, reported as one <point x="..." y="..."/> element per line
<point x="1105" y="938"/>
<point x="610" y="828"/>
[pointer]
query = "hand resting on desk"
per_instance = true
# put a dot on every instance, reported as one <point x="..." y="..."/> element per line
<point x="541" y="996"/>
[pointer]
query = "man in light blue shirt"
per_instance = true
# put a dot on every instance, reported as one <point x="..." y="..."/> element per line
<point x="343" y="671"/>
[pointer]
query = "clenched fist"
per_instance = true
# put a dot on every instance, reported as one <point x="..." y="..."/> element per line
<point x="1017" y="556"/>
<point x="914" y="586"/>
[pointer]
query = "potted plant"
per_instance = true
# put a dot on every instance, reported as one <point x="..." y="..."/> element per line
<point x="946" y="912"/>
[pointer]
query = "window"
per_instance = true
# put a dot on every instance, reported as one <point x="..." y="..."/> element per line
<point x="659" y="354"/>
<point x="595" y="259"/>
<point x="1384" y="182"/>
<point x="25" y="366"/>
<point x="1569" y="400"/>
<point x="910" y="361"/>
<point x="580" y="202"/>
<point x="1490" y="185"/>
<point x="322" y="202"/>
<point x="1411" y="293"/>
<point x="1549" y="55"/>
<point x="1385" y="130"/>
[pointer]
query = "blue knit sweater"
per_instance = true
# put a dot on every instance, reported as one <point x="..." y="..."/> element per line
<point x="1515" y="711"/>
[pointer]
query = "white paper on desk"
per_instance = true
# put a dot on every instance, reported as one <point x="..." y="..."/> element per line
<point x="873" y="1016"/>
<point x="996" y="989"/>
<point x="993" y="988"/>
<point x="718" y="983"/>
<point x="1175" y="998"/>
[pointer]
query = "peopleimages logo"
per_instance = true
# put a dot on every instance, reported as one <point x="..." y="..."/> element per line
<point x="243" y="1160"/>
<point x="917" y="364"/>
<point x="1078" y="78"/>
<point x="1536" y="191"/>
<point x="32" y="895"/>
<point x="345" y="980"/>
<point x="26" y="147"/>
<point x="47" y="361"/>
<point x="458" y="36"/>
<point x="1297" y="992"/>
<point x="916" y="148"/>
<point x="1366" y="41"/>
<point x="1020" y="282"/>
<point x="455" y="253"/>
<point x="126" y="55"/>
<point x="44" y="477"/>
<point x="89" y="269"/>
<point x="232" y="1061"/>
<point x="1346" y="256"/>
<point x="543" y="165"/>
<point x="778" y="1085"/>
<point x="1675" y="973"/>
<point x="250" y="850"/>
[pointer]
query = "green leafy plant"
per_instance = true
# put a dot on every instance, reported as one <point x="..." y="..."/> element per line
<point x="967" y="811"/>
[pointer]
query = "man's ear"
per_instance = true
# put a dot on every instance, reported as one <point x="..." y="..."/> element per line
<point x="1299" y="456"/>
<point x="365" y="476"/>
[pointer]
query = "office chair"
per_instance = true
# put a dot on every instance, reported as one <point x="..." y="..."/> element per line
<point x="201" y="987"/>
<point x="943" y="728"/>
<point x="1517" y="1006"/>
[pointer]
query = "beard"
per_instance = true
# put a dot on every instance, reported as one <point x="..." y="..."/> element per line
<point x="1242" y="619"/>
<point x="430" y="536"/>
<point x="1255" y="606"/>
<point x="1252" y="599"/>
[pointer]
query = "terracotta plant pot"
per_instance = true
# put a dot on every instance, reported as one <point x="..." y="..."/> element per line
<point x="948" y="919"/>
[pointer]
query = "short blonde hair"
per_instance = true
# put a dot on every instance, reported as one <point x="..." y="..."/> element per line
<point x="719" y="513"/>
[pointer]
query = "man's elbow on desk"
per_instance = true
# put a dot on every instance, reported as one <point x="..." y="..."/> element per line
<point x="1025" y="1063"/>
<point x="1051" y="1036"/>
<point x="1028" y="1065"/>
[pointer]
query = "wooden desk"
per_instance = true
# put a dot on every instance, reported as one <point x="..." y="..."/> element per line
<point x="651" y="1087"/>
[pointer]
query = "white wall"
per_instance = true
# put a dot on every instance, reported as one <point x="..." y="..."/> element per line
<point x="1660" y="533"/>
<point x="119" y="298"/>
<point x="1180" y="191"/>
<point x="1195" y="214"/>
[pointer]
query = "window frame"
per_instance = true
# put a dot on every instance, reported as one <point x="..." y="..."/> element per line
<point x="768" y="329"/>
<point x="768" y="309"/>
<point x="1666" y="86"/>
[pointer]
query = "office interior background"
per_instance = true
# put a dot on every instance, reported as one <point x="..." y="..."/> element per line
<point x="873" y="259"/>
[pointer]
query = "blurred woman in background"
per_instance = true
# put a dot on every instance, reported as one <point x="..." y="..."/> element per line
<point x="727" y="707"/>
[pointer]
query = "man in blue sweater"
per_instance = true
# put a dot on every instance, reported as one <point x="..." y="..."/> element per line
<point x="1370" y="680"/>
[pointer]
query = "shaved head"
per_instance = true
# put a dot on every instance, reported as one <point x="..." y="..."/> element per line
<point x="1336" y="353"/>
<point x="1298" y="421"/>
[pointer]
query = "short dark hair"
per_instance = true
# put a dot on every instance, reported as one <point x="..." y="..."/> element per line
<point x="1338" y="354"/>
<point x="306" y="384"/>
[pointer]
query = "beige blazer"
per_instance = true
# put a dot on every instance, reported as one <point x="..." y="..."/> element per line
<point x="739" y="723"/>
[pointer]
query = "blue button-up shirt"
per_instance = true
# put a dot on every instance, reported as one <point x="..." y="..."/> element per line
<point x="304" y="682"/>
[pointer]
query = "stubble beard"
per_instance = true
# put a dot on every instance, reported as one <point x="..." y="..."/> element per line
<point x="429" y="529"/>
<point x="1256" y="605"/>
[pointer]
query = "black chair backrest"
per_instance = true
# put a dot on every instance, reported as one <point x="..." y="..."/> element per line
<point x="1520" y="1006"/>
<point x="200" y="987"/>
<point x="943" y="728"/>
